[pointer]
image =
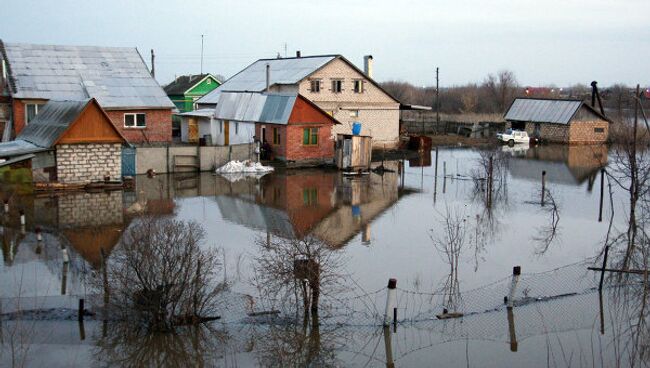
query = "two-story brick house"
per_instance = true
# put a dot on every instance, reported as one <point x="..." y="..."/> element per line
<point x="116" y="77"/>
<point x="331" y="82"/>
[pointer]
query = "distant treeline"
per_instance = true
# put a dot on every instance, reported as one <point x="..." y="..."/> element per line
<point x="496" y="92"/>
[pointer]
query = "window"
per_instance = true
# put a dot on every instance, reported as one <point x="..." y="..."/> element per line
<point x="354" y="113"/>
<point x="315" y="85"/>
<point x="31" y="110"/>
<point x="220" y="126"/>
<point x="337" y="85"/>
<point x="310" y="136"/>
<point x="208" y="81"/>
<point x="276" y="136"/>
<point x="236" y="128"/>
<point x="310" y="196"/>
<point x="358" y="86"/>
<point x="135" y="121"/>
<point x="599" y="130"/>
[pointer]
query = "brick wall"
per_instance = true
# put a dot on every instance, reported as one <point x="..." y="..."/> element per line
<point x="297" y="151"/>
<point x="584" y="132"/>
<point x="158" y="129"/>
<point x="84" y="163"/>
<point x="90" y="209"/>
<point x="378" y="113"/>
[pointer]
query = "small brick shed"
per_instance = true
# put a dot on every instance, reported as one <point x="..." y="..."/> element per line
<point x="70" y="142"/>
<point x="558" y="120"/>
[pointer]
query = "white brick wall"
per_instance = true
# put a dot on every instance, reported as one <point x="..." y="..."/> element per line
<point x="378" y="113"/>
<point x="84" y="163"/>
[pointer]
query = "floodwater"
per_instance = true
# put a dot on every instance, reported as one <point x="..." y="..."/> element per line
<point x="379" y="226"/>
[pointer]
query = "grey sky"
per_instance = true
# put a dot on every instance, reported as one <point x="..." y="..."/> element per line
<point x="553" y="41"/>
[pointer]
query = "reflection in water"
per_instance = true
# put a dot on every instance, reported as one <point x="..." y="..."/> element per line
<point x="566" y="164"/>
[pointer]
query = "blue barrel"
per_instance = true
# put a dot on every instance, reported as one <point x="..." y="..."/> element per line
<point x="356" y="128"/>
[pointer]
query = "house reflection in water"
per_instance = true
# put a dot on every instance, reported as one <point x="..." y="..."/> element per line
<point x="564" y="164"/>
<point x="325" y="204"/>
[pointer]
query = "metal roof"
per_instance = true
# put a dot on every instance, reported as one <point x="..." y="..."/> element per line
<point x="18" y="147"/>
<point x="543" y="110"/>
<point x="255" y="107"/>
<point x="51" y="122"/>
<point x="116" y="76"/>
<point x="203" y="113"/>
<point x="283" y="71"/>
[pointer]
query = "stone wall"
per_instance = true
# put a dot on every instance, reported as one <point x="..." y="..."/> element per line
<point x="85" y="163"/>
<point x="90" y="209"/>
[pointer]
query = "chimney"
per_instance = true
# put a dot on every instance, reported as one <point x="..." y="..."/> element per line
<point x="367" y="65"/>
<point x="153" y="67"/>
<point x="298" y="53"/>
<point x="268" y="77"/>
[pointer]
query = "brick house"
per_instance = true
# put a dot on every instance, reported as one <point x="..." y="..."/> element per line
<point x="331" y="82"/>
<point x="297" y="130"/>
<point x="116" y="77"/>
<point x="558" y="120"/>
<point x="69" y="142"/>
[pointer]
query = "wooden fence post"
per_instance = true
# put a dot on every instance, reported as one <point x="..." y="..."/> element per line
<point x="390" y="301"/>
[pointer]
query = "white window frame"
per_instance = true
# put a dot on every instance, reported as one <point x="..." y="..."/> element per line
<point x="313" y="82"/>
<point x="334" y="81"/>
<point x="360" y="84"/>
<point x="36" y="107"/>
<point x="135" y="120"/>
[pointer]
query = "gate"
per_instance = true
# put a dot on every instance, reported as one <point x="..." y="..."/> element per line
<point x="128" y="161"/>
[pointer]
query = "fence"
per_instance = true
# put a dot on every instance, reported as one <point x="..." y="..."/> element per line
<point x="189" y="158"/>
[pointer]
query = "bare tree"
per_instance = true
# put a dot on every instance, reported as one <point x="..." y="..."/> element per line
<point x="502" y="87"/>
<point x="160" y="275"/>
<point x="297" y="271"/>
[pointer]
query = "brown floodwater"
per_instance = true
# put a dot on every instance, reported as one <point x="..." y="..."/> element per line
<point x="394" y="224"/>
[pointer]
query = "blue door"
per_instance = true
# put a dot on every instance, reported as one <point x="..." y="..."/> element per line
<point x="128" y="161"/>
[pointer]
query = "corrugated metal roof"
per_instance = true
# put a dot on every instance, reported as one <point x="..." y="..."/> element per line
<point x="283" y="71"/>
<point x="256" y="107"/>
<point x="116" y="76"/>
<point x="543" y="110"/>
<point x="18" y="147"/>
<point x="51" y="122"/>
<point x="199" y="113"/>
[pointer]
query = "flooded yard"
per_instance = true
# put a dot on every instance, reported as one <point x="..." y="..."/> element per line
<point x="432" y="223"/>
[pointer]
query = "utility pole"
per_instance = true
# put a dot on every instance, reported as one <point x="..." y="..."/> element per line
<point x="437" y="96"/>
<point x="201" y="54"/>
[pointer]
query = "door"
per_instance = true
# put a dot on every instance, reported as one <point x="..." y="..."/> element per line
<point x="128" y="161"/>
<point x="193" y="130"/>
<point x="226" y="133"/>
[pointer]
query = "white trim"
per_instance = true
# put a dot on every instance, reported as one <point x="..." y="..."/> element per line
<point x="199" y="82"/>
<point x="135" y="120"/>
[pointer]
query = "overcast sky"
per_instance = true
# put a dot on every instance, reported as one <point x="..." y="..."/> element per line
<point x="543" y="42"/>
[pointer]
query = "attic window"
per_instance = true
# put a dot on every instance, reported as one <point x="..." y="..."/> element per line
<point x="31" y="110"/>
<point x="337" y="85"/>
<point x="208" y="81"/>
<point x="315" y="85"/>
<point x="358" y="86"/>
<point x="135" y="121"/>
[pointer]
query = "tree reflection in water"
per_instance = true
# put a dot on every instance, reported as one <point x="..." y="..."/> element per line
<point x="126" y="345"/>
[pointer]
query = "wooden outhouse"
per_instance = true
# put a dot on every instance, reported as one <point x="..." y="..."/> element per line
<point x="353" y="152"/>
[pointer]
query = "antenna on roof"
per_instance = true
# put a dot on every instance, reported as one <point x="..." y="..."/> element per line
<point x="201" y="54"/>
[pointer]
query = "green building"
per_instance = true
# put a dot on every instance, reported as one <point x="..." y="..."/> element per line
<point x="186" y="89"/>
